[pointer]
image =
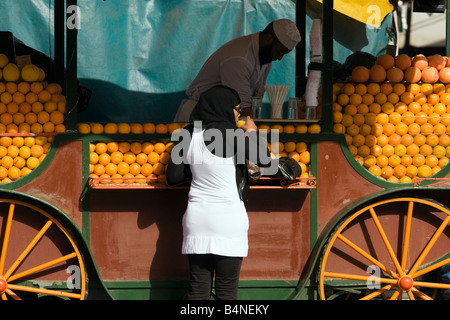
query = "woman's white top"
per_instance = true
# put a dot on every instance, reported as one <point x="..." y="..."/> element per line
<point x="215" y="220"/>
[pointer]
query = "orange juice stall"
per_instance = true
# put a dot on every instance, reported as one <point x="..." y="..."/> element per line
<point x="86" y="209"/>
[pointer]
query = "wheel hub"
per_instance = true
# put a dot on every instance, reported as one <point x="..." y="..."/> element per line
<point x="406" y="283"/>
<point x="3" y="285"/>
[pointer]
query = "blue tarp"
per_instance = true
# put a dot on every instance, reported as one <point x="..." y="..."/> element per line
<point x="139" y="56"/>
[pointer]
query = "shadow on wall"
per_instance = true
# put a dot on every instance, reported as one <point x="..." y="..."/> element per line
<point x="112" y="103"/>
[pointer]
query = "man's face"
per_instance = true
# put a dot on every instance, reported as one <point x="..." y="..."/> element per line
<point x="271" y="52"/>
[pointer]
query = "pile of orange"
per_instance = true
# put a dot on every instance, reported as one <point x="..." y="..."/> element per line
<point x="291" y="128"/>
<point x="126" y="128"/>
<point x="20" y="155"/>
<point x="125" y="162"/>
<point x="297" y="150"/>
<point x="397" y="130"/>
<point x="27" y="104"/>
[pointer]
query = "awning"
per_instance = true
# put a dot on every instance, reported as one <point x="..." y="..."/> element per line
<point x="370" y="12"/>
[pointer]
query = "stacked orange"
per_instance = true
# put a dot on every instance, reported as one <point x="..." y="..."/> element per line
<point x="397" y="130"/>
<point x="129" y="161"/>
<point x="27" y="104"/>
<point x="127" y="128"/>
<point x="292" y="128"/>
<point x="20" y="155"/>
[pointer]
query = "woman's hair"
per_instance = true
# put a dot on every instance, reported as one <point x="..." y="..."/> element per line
<point x="216" y="106"/>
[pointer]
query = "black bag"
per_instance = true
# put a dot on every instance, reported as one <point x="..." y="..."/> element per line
<point x="288" y="168"/>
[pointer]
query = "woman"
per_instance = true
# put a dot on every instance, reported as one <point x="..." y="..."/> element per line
<point x="215" y="223"/>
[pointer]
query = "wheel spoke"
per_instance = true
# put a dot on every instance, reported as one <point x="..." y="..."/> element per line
<point x="431" y="285"/>
<point x="27" y="250"/>
<point x="429" y="246"/>
<point x="45" y="291"/>
<point x="42" y="267"/>
<point x="13" y="295"/>
<point x="386" y="242"/>
<point x="410" y="295"/>
<point x="432" y="267"/>
<point x="407" y="234"/>
<point x="420" y="294"/>
<point x="6" y="237"/>
<point x="360" y="278"/>
<point x="377" y="293"/>
<point x="366" y="255"/>
<point x="396" y="294"/>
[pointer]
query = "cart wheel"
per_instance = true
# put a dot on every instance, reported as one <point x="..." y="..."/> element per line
<point x="392" y="249"/>
<point x="38" y="257"/>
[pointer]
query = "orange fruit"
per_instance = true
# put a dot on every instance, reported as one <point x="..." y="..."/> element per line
<point x="123" y="128"/>
<point x="164" y="158"/>
<point x="153" y="157"/>
<point x="375" y="170"/>
<point x="147" y="147"/>
<point x="407" y="97"/>
<point x="414" y="107"/>
<point x="412" y="150"/>
<point x="407" y="139"/>
<point x="399" y="171"/>
<point x="104" y="159"/>
<point x="116" y="157"/>
<point x="172" y="127"/>
<point x="110" y="128"/>
<point x="25" y="152"/>
<point x="112" y="146"/>
<point x="411" y="171"/>
<point x="443" y="162"/>
<point x="93" y="158"/>
<point x="149" y="128"/>
<point x="424" y="171"/>
<point x="99" y="169"/>
<point x="129" y="157"/>
<point x="394" y="139"/>
<point x="418" y="160"/>
<point x="440" y="108"/>
<point x="136" y="147"/>
<point x="160" y="147"/>
<point x="14" y="173"/>
<point x="401" y="128"/>
<point x="37" y="150"/>
<point x="111" y="169"/>
<point x="135" y="168"/>
<point x="387" y="172"/>
<point x="169" y="146"/>
<point x="44" y="96"/>
<point x="439" y="151"/>
<point x="123" y="168"/>
<point x="305" y="157"/>
<point x="426" y="128"/>
<point x="158" y="168"/>
<point x="82" y="128"/>
<point x="161" y="128"/>
<point x="141" y="158"/>
<point x="444" y="140"/>
<point x="124" y="146"/>
<point x="425" y="150"/>
<point x="431" y="160"/>
<point x="96" y="128"/>
<point x="406" y="160"/>
<point x="100" y="147"/>
<point x="146" y="169"/>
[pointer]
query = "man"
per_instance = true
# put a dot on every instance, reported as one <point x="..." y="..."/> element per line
<point x="242" y="64"/>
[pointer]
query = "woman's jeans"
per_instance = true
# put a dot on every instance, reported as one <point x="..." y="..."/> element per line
<point x="203" y="268"/>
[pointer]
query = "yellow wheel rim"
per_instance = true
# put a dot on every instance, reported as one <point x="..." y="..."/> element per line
<point x="404" y="264"/>
<point x="22" y="279"/>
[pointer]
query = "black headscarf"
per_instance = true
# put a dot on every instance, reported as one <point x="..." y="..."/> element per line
<point x="215" y="108"/>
